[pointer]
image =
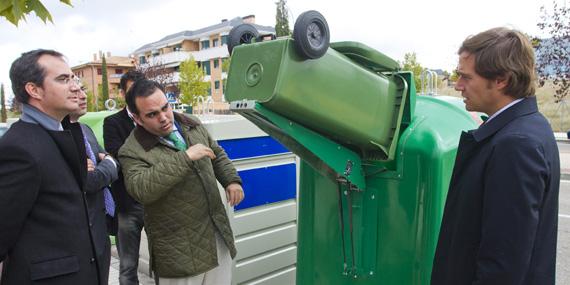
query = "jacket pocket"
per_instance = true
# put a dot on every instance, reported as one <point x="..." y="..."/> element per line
<point x="55" y="267"/>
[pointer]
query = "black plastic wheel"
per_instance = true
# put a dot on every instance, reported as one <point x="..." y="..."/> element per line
<point x="242" y="34"/>
<point x="311" y="35"/>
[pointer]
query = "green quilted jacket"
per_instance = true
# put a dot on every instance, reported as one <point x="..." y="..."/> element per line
<point x="182" y="204"/>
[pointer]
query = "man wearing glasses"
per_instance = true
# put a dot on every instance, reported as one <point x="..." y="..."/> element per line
<point x="45" y="230"/>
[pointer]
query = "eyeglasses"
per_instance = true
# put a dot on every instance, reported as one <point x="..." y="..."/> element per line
<point x="69" y="80"/>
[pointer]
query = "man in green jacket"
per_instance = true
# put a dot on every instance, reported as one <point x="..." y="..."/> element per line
<point x="171" y="164"/>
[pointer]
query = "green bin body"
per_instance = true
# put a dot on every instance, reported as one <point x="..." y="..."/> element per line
<point x="362" y="219"/>
<point x="409" y="199"/>
<point x="95" y="121"/>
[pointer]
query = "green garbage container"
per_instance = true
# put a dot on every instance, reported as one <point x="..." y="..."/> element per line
<point x="376" y="160"/>
<point x="344" y="100"/>
<point x="95" y="121"/>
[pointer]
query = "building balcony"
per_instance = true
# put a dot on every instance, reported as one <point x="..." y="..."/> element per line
<point x="176" y="77"/>
<point x="173" y="59"/>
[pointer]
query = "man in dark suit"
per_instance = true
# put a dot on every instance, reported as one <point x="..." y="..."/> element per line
<point x="116" y="129"/>
<point x="45" y="235"/>
<point x="500" y="219"/>
<point x="102" y="170"/>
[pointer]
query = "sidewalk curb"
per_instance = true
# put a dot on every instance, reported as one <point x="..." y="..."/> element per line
<point x="564" y="176"/>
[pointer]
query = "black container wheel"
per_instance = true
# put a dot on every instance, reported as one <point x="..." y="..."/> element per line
<point x="311" y="35"/>
<point x="241" y="34"/>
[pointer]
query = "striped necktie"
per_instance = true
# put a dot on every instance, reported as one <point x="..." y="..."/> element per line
<point x="109" y="203"/>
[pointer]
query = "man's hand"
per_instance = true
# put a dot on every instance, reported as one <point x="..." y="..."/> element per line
<point x="199" y="151"/>
<point x="90" y="165"/>
<point x="102" y="156"/>
<point x="234" y="193"/>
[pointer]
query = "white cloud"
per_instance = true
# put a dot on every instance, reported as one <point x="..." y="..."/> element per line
<point x="433" y="29"/>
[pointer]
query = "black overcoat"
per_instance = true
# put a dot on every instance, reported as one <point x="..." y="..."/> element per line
<point x="44" y="224"/>
<point x="116" y="129"/>
<point x="500" y="220"/>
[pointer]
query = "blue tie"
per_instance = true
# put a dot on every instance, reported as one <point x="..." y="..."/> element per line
<point x="109" y="203"/>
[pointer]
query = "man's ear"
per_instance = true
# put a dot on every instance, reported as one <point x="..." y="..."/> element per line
<point x="34" y="90"/>
<point x="502" y="82"/>
<point x="137" y="119"/>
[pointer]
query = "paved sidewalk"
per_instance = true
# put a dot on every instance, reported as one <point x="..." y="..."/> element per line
<point x="144" y="279"/>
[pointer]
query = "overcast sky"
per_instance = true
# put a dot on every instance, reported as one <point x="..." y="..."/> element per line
<point x="433" y="29"/>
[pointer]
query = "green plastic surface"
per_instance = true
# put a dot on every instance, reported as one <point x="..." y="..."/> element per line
<point x="95" y="121"/>
<point x="332" y="95"/>
<point x="403" y="205"/>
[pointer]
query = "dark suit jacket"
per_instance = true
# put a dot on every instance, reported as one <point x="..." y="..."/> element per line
<point x="105" y="173"/>
<point x="500" y="220"/>
<point x="44" y="223"/>
<point x="116" y="129"/>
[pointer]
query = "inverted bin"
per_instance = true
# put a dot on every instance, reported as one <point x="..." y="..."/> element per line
<point x="333" y="95"/>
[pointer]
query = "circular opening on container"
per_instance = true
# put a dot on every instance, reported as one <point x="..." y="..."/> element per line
<point x="253" y="74"/>
<point x="110" y="104"/>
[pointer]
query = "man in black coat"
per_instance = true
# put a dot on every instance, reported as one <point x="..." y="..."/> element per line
<point x="45" y="234"/>
<point x="116" y="129"/>
<point x="500" y="220"/>
<point x="102" y="170"/>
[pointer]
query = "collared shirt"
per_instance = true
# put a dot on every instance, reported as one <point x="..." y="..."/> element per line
<point x="131" y="116"/>
<point x="503" y="109"/>
<point x="31" y="114"/>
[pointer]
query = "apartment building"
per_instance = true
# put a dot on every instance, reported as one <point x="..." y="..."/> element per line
<point x="91" y="72"/>
<point x="208" y="47"/>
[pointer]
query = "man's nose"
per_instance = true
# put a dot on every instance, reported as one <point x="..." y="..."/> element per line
<point x="459" y="86"/>
<point x="75" y="85"/>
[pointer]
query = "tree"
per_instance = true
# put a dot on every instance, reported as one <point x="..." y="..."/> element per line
<point x="191" y="82"/>
<point x="104" y="95"/>
<point x="454" y="76"/>
<point x="157" y="71"/>
<point x="3" y="112"/>
<point x="282" y="19"/>
<point x="16" y="10"/>
<point x="15" y="106"/>
<point x="120" y="102"/>
<point x="553" y="53"/>
<point x="91" y="104"/>
<point x="411" y="64"/>
<point x="226" y="69"/>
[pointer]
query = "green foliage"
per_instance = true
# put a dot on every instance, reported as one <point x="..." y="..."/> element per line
<point x="225" y="68"/>
<point x="282" y="19"/>
<point x="191" y="83"/>
<point x="16" y="10"/>
<point x="15" y="107"/>
<point x="104" y="81"/>
<point x="226" y="64"/>
<point x="120" y="102"/>
<point x="411" y="64"/>
<point x="454" y="76"/>
<point x="4" y="113"/>
<point x="100" y="102"/>
<point x="91" y="106"/>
